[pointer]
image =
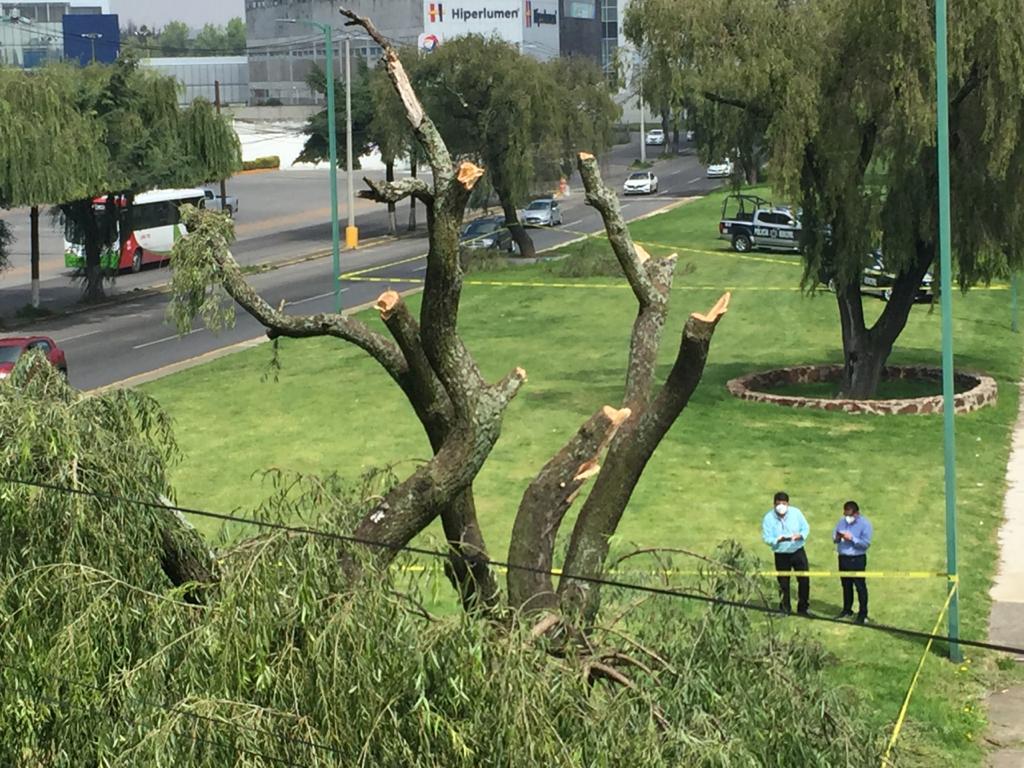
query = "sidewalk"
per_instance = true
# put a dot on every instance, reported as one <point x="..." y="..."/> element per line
<point x="1006" y="622"/>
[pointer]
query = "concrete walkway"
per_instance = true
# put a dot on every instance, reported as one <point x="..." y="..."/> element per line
<point x="1006" y="623"/>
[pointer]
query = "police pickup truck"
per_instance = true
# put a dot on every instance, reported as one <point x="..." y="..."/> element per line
<point x="749" y="222"/>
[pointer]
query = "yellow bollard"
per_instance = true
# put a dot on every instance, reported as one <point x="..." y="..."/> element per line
<point x="352" y="237"/>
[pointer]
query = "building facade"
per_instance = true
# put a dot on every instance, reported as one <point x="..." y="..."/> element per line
<point x="32" y="31"/>
<point x="281" y="54"/>
<point x="198" y="76"/>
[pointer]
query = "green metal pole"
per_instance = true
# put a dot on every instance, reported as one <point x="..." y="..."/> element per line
<point x="332" y="143"/>
<point x="946" y="286"/>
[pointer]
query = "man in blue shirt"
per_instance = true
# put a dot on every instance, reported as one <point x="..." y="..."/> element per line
<point x="785" y="530"/>
<point x="852" y="536"/>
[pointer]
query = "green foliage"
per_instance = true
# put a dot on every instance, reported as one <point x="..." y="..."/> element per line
<point x="482" y="260"/>
<point x="591" y="258"/>
<point x="260" y="163"/>
<point x="6" y="238"/>
<point x="317" y="149"/>
<point x="197" y="285"/>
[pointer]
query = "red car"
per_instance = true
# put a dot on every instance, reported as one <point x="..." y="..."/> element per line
<point x="13" y="347"/>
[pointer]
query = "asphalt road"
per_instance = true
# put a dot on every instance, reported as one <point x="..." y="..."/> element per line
<point x="112" y="343"/>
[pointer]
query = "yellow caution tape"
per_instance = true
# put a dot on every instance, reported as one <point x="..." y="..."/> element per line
<point x="763" y="574"/>
<point x="898" y="725"/>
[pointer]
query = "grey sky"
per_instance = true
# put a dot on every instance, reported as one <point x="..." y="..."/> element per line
<point x="195" y="13"/>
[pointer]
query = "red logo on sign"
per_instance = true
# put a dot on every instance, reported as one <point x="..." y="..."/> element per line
<point x="436" y="12"/>
<point x="529" y="13"/>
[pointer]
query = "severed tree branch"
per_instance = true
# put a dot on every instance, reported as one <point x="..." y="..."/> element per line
<point x="544" y="505"/>
<point x="729" y="101"/>
<point x="394" y="191"/>
<point x="650" y="279"/>
<point x="279" y="324"/>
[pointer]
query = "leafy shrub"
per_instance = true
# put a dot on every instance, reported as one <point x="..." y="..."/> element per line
<point x="261" y="163"/>
<point x="590" y="258"/>
<point x="482" y="259"/>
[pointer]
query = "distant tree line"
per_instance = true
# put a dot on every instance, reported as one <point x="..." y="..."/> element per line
<point x="175" y="39"/>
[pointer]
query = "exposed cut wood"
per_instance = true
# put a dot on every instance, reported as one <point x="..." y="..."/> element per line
<point x="386" y="303"/>
<point x="642" y="253"/>
<point x="712" y="315"/>
<point x="545" y="625"/>
<point x="469" y="173"/>
<point x="587" y="470"/>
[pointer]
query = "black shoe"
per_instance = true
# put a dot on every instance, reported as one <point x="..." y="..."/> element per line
<point x="861" y="620"/>
<point x="844" y="615"/>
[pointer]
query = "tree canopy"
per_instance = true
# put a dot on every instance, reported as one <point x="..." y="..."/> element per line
<point x="844" y="96"/>
<point x="175" y="39"/>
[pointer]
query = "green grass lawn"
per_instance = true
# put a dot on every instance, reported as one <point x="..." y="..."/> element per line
<point x="715" y="473"/>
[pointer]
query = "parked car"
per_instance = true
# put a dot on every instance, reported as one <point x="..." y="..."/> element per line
<point x="488" y="232"/>
<point x="543" y="213"/>
<point x="640" y="183"/>
<point x="720" y="170"/>
<point x="13" y="347"/>
<point x="213" y="202"/>
<point x="877" y="280"/>
<point x="655" y="137"/>
<point x="749" y="222"/>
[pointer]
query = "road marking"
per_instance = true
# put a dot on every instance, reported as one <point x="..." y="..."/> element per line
<point x="167" y="338"/>
<point x="347" y="275"/>
<point x="574" y="223"/>
<point x="421" y="269"/>
<point x="313" y="298"/>
<point x="78" y="336"/>
<point x="694" y="181"/>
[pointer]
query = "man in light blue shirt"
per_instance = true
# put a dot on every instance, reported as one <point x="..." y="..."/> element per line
<point x="852" y="536"/>
<point x="784" y="529"/>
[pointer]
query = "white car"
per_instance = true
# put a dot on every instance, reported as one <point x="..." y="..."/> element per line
<point x="720" y="170"/>
<point x="641" y="183"/>
<point x="655" y="137"/>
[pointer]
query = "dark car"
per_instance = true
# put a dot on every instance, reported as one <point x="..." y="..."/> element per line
<point x="488" y="232"/>
<point x="14" y="347"/>
<point x="877" y="280"/>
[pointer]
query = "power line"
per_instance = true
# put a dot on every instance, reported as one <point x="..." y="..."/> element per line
<point x="597" y="581"/>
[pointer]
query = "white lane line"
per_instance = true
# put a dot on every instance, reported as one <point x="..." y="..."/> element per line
<point x="694" y="181"/>
<point x="312" y="298"/>
<point x="167" y="338"/>
<point x="574" y="223"/>
<point x="66" y="339"/>
<point x="421" y="269"/>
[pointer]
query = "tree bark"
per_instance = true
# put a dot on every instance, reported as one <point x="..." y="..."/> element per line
<point x="412" y="200"/>
<point x="34" y="245"/>
<point x="544" y="505"/>
<point x="519" y="234"/>
<point x="389" y="175"/>
<point x="866" y="350"/>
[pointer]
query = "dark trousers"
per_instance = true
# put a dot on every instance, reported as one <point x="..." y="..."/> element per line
<point x="793" y="561"/>
<point x="854" y="563"/>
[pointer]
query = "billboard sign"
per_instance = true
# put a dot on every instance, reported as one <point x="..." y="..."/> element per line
<point x="91" y="37"/>
<point x="541" y="34"/>
<point x="503" y="18"/>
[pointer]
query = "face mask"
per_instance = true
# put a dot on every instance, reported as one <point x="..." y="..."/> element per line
<point x="850" y="519"/>
<point x="780" y="509"/>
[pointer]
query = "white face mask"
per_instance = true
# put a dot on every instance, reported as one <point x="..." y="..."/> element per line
<point x="850" y="519"/>
<point x="781" y="509"/>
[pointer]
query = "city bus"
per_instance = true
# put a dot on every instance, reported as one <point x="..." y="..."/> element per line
<point x="157" y="226"/>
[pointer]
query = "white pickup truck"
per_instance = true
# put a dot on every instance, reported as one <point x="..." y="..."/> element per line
<point x="213" y="202"/>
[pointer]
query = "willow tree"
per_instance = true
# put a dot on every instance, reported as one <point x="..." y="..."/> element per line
<point x="150" y="142"/>
<point x="461" y="412"/>
<point x="846" y="95"/>
<point x="49" y="150"/>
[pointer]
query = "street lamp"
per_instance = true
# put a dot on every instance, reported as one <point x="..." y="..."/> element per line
<point x="93" y="37"/>
<point x="945" y="286"/>
<point x="332" y="144"/>
<point x="643" y="132"/>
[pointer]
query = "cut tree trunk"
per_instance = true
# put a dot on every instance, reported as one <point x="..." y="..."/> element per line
<point x="519" y="234"/>
<point x="34" y="237"/>
<point x="412" y="200"/>
<point x="389" y="175"/>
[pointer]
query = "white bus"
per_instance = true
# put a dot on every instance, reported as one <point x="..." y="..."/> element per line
<point x="157" y="226"/>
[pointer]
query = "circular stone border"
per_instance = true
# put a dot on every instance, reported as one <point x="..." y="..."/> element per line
<point x="979" y="390"/>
